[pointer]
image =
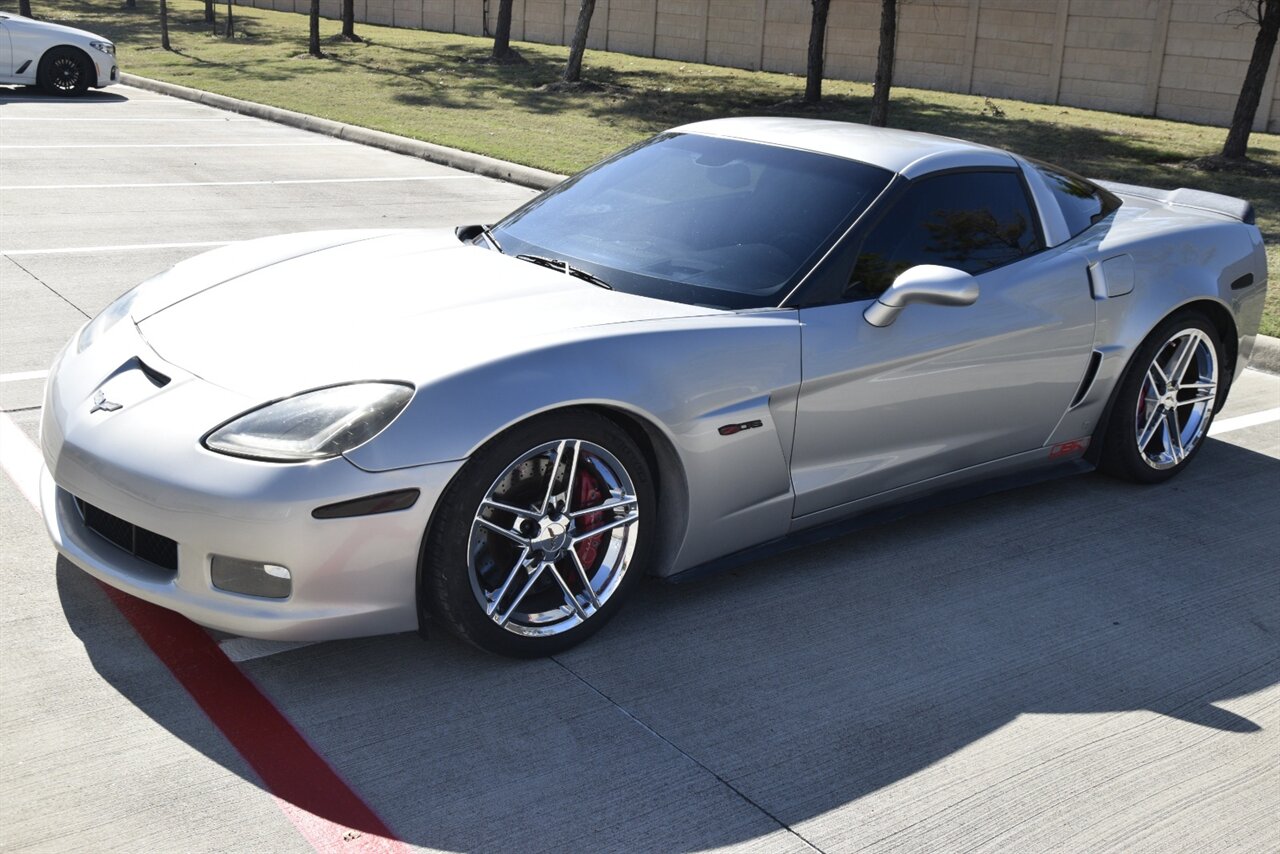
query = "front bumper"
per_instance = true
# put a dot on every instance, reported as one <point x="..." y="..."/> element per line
<point x="351" y="576"/>
<point x="108" y="73"/>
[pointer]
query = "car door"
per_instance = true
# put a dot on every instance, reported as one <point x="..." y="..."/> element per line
<point x="942" y="388"/>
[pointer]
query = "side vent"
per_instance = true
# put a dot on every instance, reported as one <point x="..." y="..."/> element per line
<point x="157" y="379"/>
<point x="1086" y="382"/>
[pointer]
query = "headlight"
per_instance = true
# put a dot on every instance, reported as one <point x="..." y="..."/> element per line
<point x="105" y="47"/>
<point x="110" y="316"/>
<point x="312" y="425"/>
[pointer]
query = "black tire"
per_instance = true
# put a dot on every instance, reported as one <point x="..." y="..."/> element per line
<point x="446" y="588"/>
<point x="1121" y="456"/>
<point x="65" y="71"/>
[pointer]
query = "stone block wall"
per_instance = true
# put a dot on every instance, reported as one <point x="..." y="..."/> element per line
<point x="1178" y="59"/>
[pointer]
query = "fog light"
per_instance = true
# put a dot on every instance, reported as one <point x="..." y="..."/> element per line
<point x="251" y="578"/>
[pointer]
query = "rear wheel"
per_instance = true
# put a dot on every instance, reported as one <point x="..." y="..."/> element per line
<point x="65" y="71"/>
<point x="541" y="535"/>
<point x="1166" y="402"/>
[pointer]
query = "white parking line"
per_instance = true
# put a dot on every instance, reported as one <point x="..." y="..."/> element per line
<point x="247" y="649"/>
<point x="1240" y="422"/>
<point x="126" y="247"/>
<point x="176" y="145"/>
<point x="86" y="102"/>
<point x="21" y="460"/>
<point x="164" y="119"/>
<point x="19" y="376"/>
<point x="237" y="183"/>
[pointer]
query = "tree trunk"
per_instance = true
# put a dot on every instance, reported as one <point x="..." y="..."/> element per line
<point x="502" y="33"/>
<point x="313" y="44"/>
<point x="573" y="70"/>
<point x="24" y="8"/>
<point x="349" y="21"/>
<point x="164" y="25"/>
<point x="884" y="63"/>
<point x="1237" y="144"/>
<point x="209" y="17"/>
<point x="231" y="22"/>
<point x="817" y="46"/>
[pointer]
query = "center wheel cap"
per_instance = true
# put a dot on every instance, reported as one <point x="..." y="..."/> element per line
<point x="552" y="538"/>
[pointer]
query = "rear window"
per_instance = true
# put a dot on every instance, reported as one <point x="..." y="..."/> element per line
<point x="1082" y="202"/>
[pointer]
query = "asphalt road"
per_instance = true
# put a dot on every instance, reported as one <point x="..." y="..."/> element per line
<point x="1082" y="665"/>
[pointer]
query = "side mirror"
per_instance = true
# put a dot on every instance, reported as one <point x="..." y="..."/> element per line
<point x="925" y="283"/>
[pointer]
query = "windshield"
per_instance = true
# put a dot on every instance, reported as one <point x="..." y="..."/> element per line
<point x="697" y="219"/>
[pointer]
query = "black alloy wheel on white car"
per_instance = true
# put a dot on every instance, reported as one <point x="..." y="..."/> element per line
<point x="65" y="71"/>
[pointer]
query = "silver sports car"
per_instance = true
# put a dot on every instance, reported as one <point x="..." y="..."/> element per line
<point x="728" y="334"/>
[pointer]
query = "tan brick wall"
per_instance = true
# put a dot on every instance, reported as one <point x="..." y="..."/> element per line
<point x="1106" y="54"/>
<point x="733" y="32"/>
<point x="932" y="44"/>
<point x="1012" y="57"/>
<point x="853" y="28"/>
<point x="1179" y="59"/>
<point x="631" y="26"/>
<point x="436" y="14"/>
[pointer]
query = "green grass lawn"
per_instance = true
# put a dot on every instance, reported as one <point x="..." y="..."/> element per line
<point x="435" y="86"/>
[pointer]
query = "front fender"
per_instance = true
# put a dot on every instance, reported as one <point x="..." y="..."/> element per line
<point x="684" y="377"/>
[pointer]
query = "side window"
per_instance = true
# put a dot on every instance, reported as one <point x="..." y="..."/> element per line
<point x="1082" y="203"/>
<point x="972" y="221"/>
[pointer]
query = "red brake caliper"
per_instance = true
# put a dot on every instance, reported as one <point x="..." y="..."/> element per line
<point x="587" y="493"/>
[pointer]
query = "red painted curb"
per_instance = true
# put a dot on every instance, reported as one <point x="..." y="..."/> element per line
<point x="318" y="802"/>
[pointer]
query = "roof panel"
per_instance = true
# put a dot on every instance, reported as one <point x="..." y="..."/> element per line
<point x="907" y="152"/>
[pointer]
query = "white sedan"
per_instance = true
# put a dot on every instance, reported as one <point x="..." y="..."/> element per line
<point x="61" y="60"/>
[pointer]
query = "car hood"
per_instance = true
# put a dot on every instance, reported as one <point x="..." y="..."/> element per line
<point x="275" y="317"/>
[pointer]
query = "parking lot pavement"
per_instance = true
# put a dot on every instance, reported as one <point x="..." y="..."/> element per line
<point x="1078" y="665"/>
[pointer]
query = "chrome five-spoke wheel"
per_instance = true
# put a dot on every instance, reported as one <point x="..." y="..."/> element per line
<point x="541" y="535"/>
<point x="1166" y="401"/>
<point x="1177" y="399"/>
<point x="553" y="537"/>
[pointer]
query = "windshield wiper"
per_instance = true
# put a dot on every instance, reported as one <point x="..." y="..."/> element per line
<point x="566" y="268"/>
<point x="488" y="235"/>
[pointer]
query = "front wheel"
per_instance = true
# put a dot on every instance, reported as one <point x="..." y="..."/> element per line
<point x="65" y="71"/>
<point x="1166" y="401"/>
<point x="540" y="537"/>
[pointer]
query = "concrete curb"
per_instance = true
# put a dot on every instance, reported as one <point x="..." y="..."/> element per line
<point x="490" y="167"/>
<point x="1266" y="354"/>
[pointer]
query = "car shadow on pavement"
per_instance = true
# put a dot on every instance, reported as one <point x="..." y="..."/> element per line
<point x="804" y="683"/>
<point x="30" y="94"/>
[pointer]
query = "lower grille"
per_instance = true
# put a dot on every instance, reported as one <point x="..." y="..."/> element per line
<point x="139" y="542"/>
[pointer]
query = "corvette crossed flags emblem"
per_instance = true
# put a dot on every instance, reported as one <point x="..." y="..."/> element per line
<point x="100" y="402"/>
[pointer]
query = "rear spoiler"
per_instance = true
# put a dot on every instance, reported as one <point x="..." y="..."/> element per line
<point x="1184" y="198"/>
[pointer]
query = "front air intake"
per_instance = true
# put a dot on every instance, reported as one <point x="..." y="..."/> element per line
<point x="139" y="542"/>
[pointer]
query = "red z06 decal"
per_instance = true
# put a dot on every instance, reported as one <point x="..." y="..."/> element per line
<point x="1075" y="446"/>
